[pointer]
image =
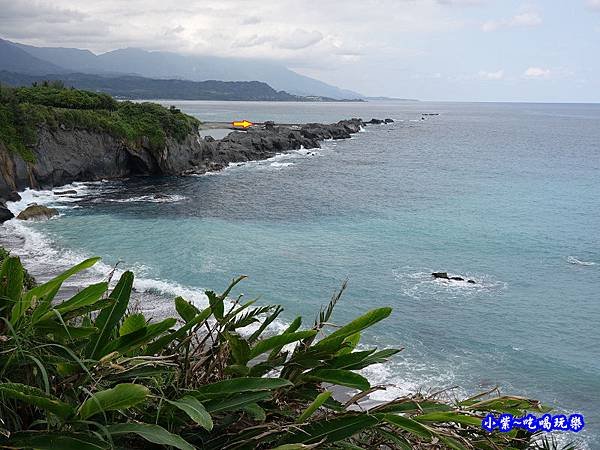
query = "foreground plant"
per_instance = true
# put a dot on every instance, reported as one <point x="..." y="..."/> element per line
<point x="89" y="373"/>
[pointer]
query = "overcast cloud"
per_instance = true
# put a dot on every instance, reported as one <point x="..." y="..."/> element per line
<point x="430" y="49"/>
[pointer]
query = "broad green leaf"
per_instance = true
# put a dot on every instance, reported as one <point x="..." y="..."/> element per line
<point x="292" y="327"/>
<point x="239" y="348"/>
<point x="62" y="440"/>
<point x="216" y="304"/>
<point x="37" y="397"/>
<point x="350" y="343"/>
<point x="236" y="385"/>
<point x="411" y="406"/>
<point x="235" y="402"/>
<point x="255" y="411"/>
<point x="162" y="343"/>
<point x="11" y="281"/>
<point x="152" y="433"/>
<point x="185" y="309"/>
<point x="357" y="325"/>
<point x="265" y="345"/>
<point x="109" y="318"/>
<point x="195" y="410"/>
<point x="122" y="396"/>
<point x="409" y="425"/>
<point x="441" y="417"/>
<point x="46" y="292"/>
<point x="360" y="360"/>
<point x="316" y="404"/>
<point x="340" y="377"/>
<point x="330" y="431"/>
<point x="138" y="338"/>
<point x="64" y="332"/>
<point x="85" y="297"/>
<point x="132" y="323"/>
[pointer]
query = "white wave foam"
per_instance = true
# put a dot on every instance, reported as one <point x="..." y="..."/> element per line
<point x="578" y="262"/>
<point x="281" y="164"/>
<point x="420" y="284"/>
<point x="148" y="199"/>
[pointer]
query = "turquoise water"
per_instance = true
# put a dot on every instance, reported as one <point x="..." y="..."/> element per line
<point x="506" y="194"/>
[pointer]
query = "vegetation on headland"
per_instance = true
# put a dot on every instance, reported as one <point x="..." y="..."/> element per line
<point x="24" y="109"/>
<point x="91" y="372"/>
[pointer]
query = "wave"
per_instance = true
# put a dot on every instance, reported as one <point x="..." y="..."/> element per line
<point x="578" y="262"/>
<point x="156" y="198"/>
<point x="419" y="284"/>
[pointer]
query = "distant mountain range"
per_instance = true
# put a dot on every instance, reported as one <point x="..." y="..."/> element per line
<point x="30" y="60"/>
<point x="133" y="87"/>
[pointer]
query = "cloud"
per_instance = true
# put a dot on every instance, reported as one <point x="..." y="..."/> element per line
<point x="492" y="76"/>
<point x="537" y="73"/>
<point x="525" y="19"/>
<point x="593" y="4"/>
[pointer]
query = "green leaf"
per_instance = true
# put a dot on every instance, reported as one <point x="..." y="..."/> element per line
<point x="11" y="281"/>
<point x="85" y="297"/>
<point x="332" y="430"/>
<point x="239" y="348"/>
<point x="185" y="309"/>
<point x="350" y="344"/>
<point x="265" y="345"/>
<point x="237" y="385"/>
<point x="216" y="304"/>
<point x="161" y="344"/>
<point x="235" y="401"/>
<point x="441" y="417"/>
<point x="109" y="318"/>
<point x="409" y="425"/>
<point x="357" y="325"/>
<point x="316" y="404"/>
<point x="132" y="323"/>
<point x="46" y="292"/>
<point x="195" y="410"/>
<point x="122" y="396"/>
<point x="52" y="441"/>
<point x="36" y="397"/>
<point x="65" y="332"/>
<point x="290" y="329"/>
<point x="360" y="360"/>
<point x="340" y="377"/>
<point x="152" y="433"/>
<point x="255" y="411"/>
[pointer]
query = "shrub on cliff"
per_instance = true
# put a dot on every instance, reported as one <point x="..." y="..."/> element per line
<point x="23" y="110"/>
<point x="90" y="373"/>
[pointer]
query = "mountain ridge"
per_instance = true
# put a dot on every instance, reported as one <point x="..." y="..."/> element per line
<point x="169" y="65"/>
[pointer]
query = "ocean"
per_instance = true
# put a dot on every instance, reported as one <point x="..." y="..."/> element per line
<point x="505" y="194"/>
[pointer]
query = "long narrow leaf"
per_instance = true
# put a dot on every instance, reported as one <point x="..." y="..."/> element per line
<point x="152" y="433"/>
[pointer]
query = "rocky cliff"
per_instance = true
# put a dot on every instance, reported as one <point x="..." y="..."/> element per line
<point x="66" y="155"/>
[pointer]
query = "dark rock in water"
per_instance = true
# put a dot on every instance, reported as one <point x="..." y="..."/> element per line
<point x="35" y="211"/>
<point x="457" y="278"/>
<point x="67" y="192"/>
<point x="13" y="196"/>
<point x="442" y="275"/>
<point x="388" y="121"/>
<point x="471" y="282"/>
<point x="209" y="139"/>
<point x="5" y="213"/>
<point x="376" y="122"/>
<point x="160" y="196"/>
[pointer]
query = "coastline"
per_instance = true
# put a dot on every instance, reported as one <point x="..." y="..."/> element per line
<point x="64" y="156"/>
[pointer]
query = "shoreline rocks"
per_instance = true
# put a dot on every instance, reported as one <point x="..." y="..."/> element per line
<point x="446" y="277"/>
<point x="35" y="211"/>
<point x="66" y="156"/>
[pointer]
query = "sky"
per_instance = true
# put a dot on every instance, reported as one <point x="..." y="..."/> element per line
<point x="472" y="50"/>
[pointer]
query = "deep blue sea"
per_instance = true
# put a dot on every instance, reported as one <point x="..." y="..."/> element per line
<point x="505" y="194"/>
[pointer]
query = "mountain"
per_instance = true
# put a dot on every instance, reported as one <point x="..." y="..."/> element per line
<point x="133" y="87"/>
<point x="157" y="64"/>
<point x="15" y="59"/>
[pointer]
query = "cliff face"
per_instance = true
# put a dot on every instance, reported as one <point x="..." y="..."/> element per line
<point x="66" y="155"/>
